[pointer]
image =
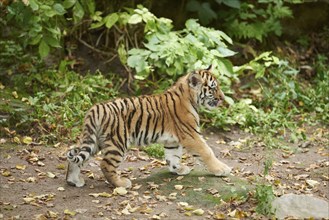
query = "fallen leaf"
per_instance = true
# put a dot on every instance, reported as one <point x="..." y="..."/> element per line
<point x="29" y="199"/>
<point x="60" y="189"/>
<point x="51" y="175"/>
<point x="31" y="179"/>
<point x="41" y="164"/>
<point x="301" y="176"/>
<point x="172" y="196"/>
<point x="198" y="212"/>
<point x="125" y="211"/>
<point x="137" y="187"/>
<point x="179" y="187"/>
<point x="52" y="214"/>
<point x="312" y="183"/>
<point x="232" y="213"/>
<point x="14" y="93"/>
<point x="156" y="217"/>
<point x="61" y="166"/>
<point x="39" y="217"/>
<point x="6" y="173"/>
<point x="20" y="167"/>
<point x="17" y="140"/>
<point x="100" y="214"/>
<point x="188" y="213"/>
<point x="68" y="212"/>
<point x="219" y="216"/>
<point x="197" y="189"/>
<point x="27" y="140"/>
<point x="161" y="198"/>
<point x="81" y="211"/>
<point x="183" y="204"/>
<point x="145" y="210"/>
<point x="120" y="191"/>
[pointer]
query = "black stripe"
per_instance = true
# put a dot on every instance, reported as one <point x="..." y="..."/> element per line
<point x="89" y="129"/>
<point x="83" y="156"/>
<point x="162" y="115"/>
<point x="104" y="115"/>
<point x="97" y="108"/>
<point x="110" y="163"/>
<point x="149" y="116"/>
<point x="115" y="160"/>
<point x="88" y="149"/>
<point x="181" y="88"/>
<point x="91" y="121"/>
<point x="175" y="112"/>
<point x="113" y="152"/>
<point x="170" y="148"/>
<point x="140" y="138"/>
<point x="139" y="121"/>
<point x="131" y="115"/>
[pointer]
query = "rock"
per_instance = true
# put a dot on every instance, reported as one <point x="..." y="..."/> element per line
<point x="300" y="206"/>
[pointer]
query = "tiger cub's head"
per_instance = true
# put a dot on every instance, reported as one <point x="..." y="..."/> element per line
<point x="206" y="88"/>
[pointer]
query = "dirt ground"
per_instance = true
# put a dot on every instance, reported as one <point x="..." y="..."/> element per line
<point x="33" y="181"/>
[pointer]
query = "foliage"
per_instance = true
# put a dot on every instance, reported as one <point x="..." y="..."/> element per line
<point x="167" y="52"/>
<point x="270" y="103"/>
<point x="243" y="19"/>
<point x="206" y="13"/>
<point x="44" y="23"/>
<point x="256" y="20"/>
<point x="173" y="53"/>
<point x="59" y="102"/>
<point x="274" y="100"/>
<point x="264" y="196"/>
<point x="154" y="150"/>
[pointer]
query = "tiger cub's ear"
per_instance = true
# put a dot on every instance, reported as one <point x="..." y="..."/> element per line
<point x="194" y="80"/>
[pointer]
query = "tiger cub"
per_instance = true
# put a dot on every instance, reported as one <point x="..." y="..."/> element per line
<point x="170" y="118"/>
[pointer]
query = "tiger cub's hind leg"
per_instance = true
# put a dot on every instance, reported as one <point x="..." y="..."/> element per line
<point x="173" y="155"/>
<point x="111" y="161"/>
<point x="73" y="177"/>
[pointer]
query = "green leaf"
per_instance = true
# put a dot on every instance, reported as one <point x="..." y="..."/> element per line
<point x="225" y="67"/>
<point x="206" y="14"/>
<point x="43" y="49"/>
<point x="59" y="9"/>
<point x="135" y="19"/>
<point x="192" y="24"/>
<point x="78" y="12"/>
<point x="68" y="3"/>
<point x="122" y="54"/>
<point x="53" y="42"/>
<point x="35" y="40"/>
<point x="97" y="25"/>
<point x="225" y="52"/>
<point x="90" y="5"/>
<point x="111" y="19"/>
<point x="34" y="5"/>
<point x="232" y="3"/>
<point x="229" y="100"/>
<point x="193" y="5"/>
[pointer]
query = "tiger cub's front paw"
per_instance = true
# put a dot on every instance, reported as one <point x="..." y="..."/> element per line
<point x="122" y="182"/>
<point x="220" y="169"/>
<point x="224" y="171"/>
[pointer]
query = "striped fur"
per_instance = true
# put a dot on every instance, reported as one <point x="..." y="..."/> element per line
<point x="170" y="118"/>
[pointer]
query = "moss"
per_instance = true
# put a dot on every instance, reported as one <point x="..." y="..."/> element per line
<point x="237" y="189"/>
